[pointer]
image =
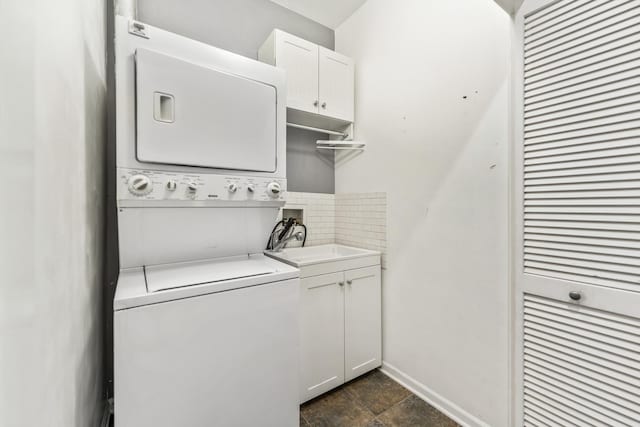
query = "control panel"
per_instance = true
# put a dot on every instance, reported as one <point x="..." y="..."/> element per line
<point x="152" y="185"/>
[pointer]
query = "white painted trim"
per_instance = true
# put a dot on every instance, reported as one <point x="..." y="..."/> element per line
<point x="517" y="202"/>
<point x="442" y="404"/>
<point x="513" y="227"/>
<point x="127" y="8"/>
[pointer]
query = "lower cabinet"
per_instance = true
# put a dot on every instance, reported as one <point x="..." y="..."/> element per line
<point x="363" y="321"/>
<point x="340" y="328"/>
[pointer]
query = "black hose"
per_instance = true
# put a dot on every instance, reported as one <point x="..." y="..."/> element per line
<point x="287" y="227"/>
<point x="273" y="231"/>
<point x="305" y="234"/>
<point x="290" y="222"/>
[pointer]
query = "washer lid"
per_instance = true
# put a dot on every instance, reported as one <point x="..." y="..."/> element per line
<point x="193" y="279"/>
<point x="171" y="276"/>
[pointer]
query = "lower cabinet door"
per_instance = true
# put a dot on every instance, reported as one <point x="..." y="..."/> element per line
<point x="363" y="321"/>
<point x="321" y="334"/>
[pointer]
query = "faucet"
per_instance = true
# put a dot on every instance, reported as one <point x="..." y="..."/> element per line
<point x="279" y="245"/>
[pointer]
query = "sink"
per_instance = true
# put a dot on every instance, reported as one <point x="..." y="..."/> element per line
<point x="311" y="255"/>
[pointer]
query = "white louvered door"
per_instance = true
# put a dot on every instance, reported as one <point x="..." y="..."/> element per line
<point x="577" y="213"/>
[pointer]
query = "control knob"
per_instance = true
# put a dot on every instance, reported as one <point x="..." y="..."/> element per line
<point x="172" y="185"/>
<point x="140" y="185"/>
<point x="251" y="188"/>
<point x="273" y="190"/>
<point x="192" y="187"/>
<point x="233" y="187"/>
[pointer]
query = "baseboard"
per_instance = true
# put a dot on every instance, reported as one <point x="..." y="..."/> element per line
<point x="445" y="406"/>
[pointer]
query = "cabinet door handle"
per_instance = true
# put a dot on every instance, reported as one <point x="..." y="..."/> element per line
<point x="324" y="105"/>
<point x="341" y="283"/>
<point x="315" y="103"/>
<point x="575" y="295"/>
<point x="349" y="282"/>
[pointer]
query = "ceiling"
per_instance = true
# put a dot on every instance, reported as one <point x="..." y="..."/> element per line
<point x="330" y="13"/>
<point x="511" y="6"/>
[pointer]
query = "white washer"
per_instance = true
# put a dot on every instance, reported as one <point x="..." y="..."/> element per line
<point x="194" y="344"/>
<point x="205" y="327"/>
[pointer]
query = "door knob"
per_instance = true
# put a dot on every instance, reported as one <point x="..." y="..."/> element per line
<point x="575" y="295"/>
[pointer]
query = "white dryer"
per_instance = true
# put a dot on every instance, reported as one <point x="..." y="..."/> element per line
<point x="205" y="327"/>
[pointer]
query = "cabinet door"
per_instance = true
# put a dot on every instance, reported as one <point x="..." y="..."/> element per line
<point x="300" y="60"/>
<point x="576" y="216"/>
<point x="336" y="87"/>
<point x="191" y="115"/>
<point x="363" y="321"/>
<point x="321" y="334"/>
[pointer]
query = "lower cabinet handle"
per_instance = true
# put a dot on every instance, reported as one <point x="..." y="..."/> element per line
<point x="349" y="282"/>
<point x="341" y="283"/>
<point x="575" y="295"/>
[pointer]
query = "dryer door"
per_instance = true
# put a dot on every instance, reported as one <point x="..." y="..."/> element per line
<point x="190" y="115"/>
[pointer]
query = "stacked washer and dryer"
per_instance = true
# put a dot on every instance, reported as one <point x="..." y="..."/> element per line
<point x="205" y="326"/>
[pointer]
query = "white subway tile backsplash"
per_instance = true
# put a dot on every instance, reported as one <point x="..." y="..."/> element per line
<point x="352" y="219"/>
<point x="318" y="215"/>
<point x="361" y="221"/>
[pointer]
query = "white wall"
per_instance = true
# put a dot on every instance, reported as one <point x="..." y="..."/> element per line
<point x="442" y="159"/>
<point x="52" y="81"/>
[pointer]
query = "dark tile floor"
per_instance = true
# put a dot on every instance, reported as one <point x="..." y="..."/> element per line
<point x="373" y="400"/>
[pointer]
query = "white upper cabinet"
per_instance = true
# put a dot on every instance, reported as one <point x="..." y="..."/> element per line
<point x="319" y="80"/>
<point x="335" y="84"/>
<point x="300" y="58"/>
